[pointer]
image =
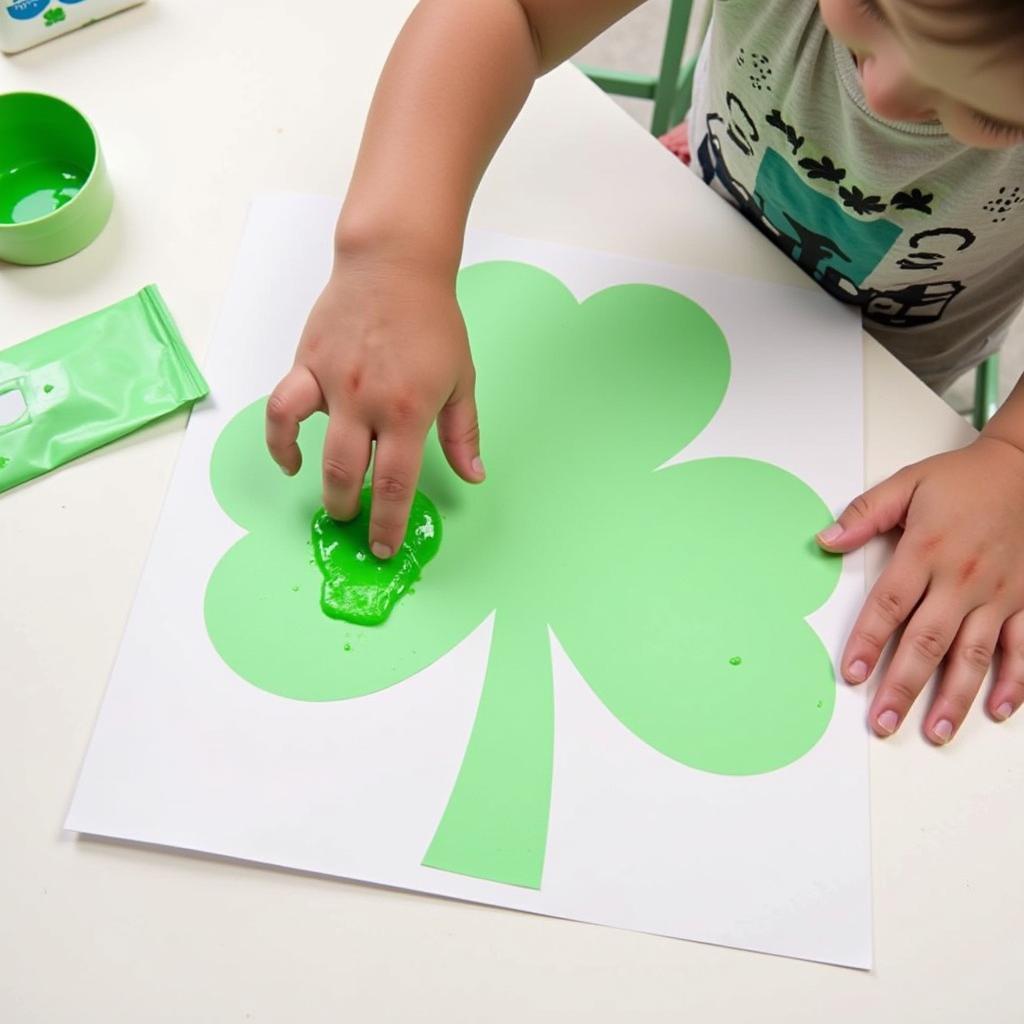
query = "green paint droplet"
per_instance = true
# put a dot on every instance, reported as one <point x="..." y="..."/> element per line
<point x="348" y="647"/>
<point x="359" y="587"/>
<point x="47" y="388"/>
<point x="295" y="590"/>
<point x="737" y="660"/>
<point x="820" y="703"/>
<point x="3" y="462"/>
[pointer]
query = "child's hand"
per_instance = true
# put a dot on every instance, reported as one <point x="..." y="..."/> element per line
<point x="384" y="353"/>
<point x="956" y="582"/>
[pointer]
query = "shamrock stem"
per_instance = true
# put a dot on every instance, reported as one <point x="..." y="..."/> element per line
<point x="496" y="822"/>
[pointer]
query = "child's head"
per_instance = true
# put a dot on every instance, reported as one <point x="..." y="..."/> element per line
<point x="957" y="61"/>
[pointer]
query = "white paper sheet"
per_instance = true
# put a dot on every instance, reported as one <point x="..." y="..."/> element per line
<point x="186" y="754"/>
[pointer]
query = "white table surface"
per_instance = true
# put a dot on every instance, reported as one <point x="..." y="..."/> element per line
<point x="199" y="105"/>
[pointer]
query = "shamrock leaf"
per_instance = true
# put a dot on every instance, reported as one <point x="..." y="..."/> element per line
<point x="915" y="199"/>
<point x="680" y="593"/>
<point x="856" y="200"/>
<point x="823" y="168"/>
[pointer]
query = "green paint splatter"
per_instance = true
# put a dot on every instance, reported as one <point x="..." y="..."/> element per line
<point x="358" y="587"/>
<point x="4" y="462"/>
<point x="295" y="590"/>
<point x="543" y="547"/>
<point x="348" y="647"/>
<point x="47" y="388"/>
<point x="736" y="660"/>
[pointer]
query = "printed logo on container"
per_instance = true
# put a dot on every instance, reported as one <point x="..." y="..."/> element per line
<point x="26" y="10"/>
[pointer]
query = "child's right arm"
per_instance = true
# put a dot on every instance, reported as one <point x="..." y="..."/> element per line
<point x="384" y="351"/>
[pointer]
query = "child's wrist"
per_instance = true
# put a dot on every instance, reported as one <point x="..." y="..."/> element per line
<point x="360" y="237"/>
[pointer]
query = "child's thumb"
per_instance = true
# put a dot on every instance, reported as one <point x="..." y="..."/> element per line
<point x="875" y="511"/>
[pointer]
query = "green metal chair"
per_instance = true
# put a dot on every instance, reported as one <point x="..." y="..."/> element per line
<point x="671" y="91"/>
<point x="672" y="88"/>
<point x="986" y="391"/>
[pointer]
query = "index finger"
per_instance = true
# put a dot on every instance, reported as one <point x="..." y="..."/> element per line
<point x="294" y="399"/>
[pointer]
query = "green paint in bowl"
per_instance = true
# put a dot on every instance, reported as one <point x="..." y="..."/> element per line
<point x="55" y="195"/>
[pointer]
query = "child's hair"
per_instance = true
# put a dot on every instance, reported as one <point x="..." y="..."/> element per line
<point x="968" y="22"/>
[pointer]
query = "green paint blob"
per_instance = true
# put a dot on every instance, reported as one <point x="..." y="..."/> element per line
<point x="736" y="661"/>
<point x="38" y="188"/>
<point x="47" y="388"/>
<point x="358" y="587"/>
<point x="3" y="462"/>
<point x="348" y="647"/>
<point x="624" y="380"/>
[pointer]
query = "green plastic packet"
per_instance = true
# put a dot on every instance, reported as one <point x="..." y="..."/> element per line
<point x="83" y="385"/>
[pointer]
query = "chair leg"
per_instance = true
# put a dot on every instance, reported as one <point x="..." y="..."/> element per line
<point x="671" y="59"/>
<point x="986" y="391"/>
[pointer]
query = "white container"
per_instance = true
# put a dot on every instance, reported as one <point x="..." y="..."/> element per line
<point x="25" y="23"/>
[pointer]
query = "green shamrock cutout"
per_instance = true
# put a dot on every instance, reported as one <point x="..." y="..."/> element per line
<point x="679" y="593"/>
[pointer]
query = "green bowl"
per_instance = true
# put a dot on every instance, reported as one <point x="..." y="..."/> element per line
<point x="55" y="195"/>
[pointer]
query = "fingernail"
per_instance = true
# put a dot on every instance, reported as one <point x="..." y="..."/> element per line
<point x="834" y="532"/>
<point x="858" y="671"/>
<point x="1004" y="711"/>
<point x="381" y="551"/>
<point x="887" y="722"/>
<point x="943" y="730"/>
<point x="478" y="467"/>
<point x="285" y="470"/>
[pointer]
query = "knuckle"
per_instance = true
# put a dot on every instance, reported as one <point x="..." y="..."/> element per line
<point x="904" y="693"/>
<point x="404" y="409"/>
<point x="929" y="642"/>
<point x="860" y="507"/>
<point x="387" y="526"/>
<point x="387" y="533"/>
<point x="313" y="340"/>
<point x="977" y="655"/>
<point x="928" y="544"/>
<point x="890" y="605"/>
<point x="337" y="474"/>
<point x="277" y="411"/>
<point x="959" y="703"/>
<point x="968" y="570"/>
<point x="391" y="489"/>
<point x="867" y="638"/>
<point x="469" y="436"/>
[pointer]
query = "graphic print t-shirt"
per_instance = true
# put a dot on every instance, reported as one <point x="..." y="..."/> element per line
<point x="924" y="234"/>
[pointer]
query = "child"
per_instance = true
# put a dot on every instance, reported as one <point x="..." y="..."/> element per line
<point x="877" y="142"/>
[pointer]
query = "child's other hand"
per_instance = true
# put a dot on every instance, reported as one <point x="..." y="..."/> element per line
<point x="384" y="353"/>
<point x="955" y="585"/>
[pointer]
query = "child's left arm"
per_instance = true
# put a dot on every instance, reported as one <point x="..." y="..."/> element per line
<point x="955" y="583"/>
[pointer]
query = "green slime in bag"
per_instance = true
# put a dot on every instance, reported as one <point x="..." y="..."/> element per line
<point x="90" y="382"/>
